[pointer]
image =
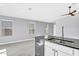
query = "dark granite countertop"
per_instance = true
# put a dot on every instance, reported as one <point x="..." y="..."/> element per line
<point x="69" y="42"/>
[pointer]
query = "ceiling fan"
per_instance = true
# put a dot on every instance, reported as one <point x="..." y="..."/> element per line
<point x="71" y="13"/>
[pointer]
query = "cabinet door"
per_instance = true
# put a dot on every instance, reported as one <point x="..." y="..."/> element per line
<point x="49" y="51"/>
<point x="65" y="49"/>
<point x="76" y="52"/>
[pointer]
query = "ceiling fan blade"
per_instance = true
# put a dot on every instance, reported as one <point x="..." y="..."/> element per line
<point x="72" y="14"/>
<point x="77" y="12"/>
<point x="65" y="14"/>
<point x="74" y="11"/>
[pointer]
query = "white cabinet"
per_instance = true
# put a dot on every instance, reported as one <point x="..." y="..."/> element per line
<point x="52" y="49"/>
<point x="76" y="52"/>
<point x="60" y="53"/>
<point x="66" y="50"/>
<point x="49" y="51"/>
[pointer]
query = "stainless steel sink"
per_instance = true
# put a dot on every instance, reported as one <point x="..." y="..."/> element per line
<point x="63" y="41"/>
<point x="57" y="41"/>
<point x="39" y="46"/>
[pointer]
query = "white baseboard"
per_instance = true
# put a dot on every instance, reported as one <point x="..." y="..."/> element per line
<point x="3" y="43"/>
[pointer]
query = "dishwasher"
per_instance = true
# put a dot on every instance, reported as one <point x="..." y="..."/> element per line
<point x="39" y="45"/>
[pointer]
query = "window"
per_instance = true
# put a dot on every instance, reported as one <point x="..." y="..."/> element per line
<point x="47" y="29"/>
<point x="6" y="28"/>
<point x="31" y="28"/>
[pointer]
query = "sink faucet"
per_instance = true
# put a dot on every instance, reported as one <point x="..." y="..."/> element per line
<point x="62" y="34"/>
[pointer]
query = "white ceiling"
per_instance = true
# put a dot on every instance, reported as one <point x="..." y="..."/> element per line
<point x="47" y="12"/>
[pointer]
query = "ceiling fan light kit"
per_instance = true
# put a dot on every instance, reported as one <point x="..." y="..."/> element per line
<point x="69" y="6"/>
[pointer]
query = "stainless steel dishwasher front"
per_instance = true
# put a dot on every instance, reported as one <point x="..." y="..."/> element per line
<point x="39" y="45"/>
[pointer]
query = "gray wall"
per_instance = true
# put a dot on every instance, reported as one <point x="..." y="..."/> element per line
<point x="20" y="30"/>
<point x="40" y="28"/>
<point x="71" y="27"/>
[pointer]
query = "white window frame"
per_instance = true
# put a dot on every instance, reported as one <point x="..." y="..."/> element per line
<point x="34" y="28"/>
<point x="5" y="28"/>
